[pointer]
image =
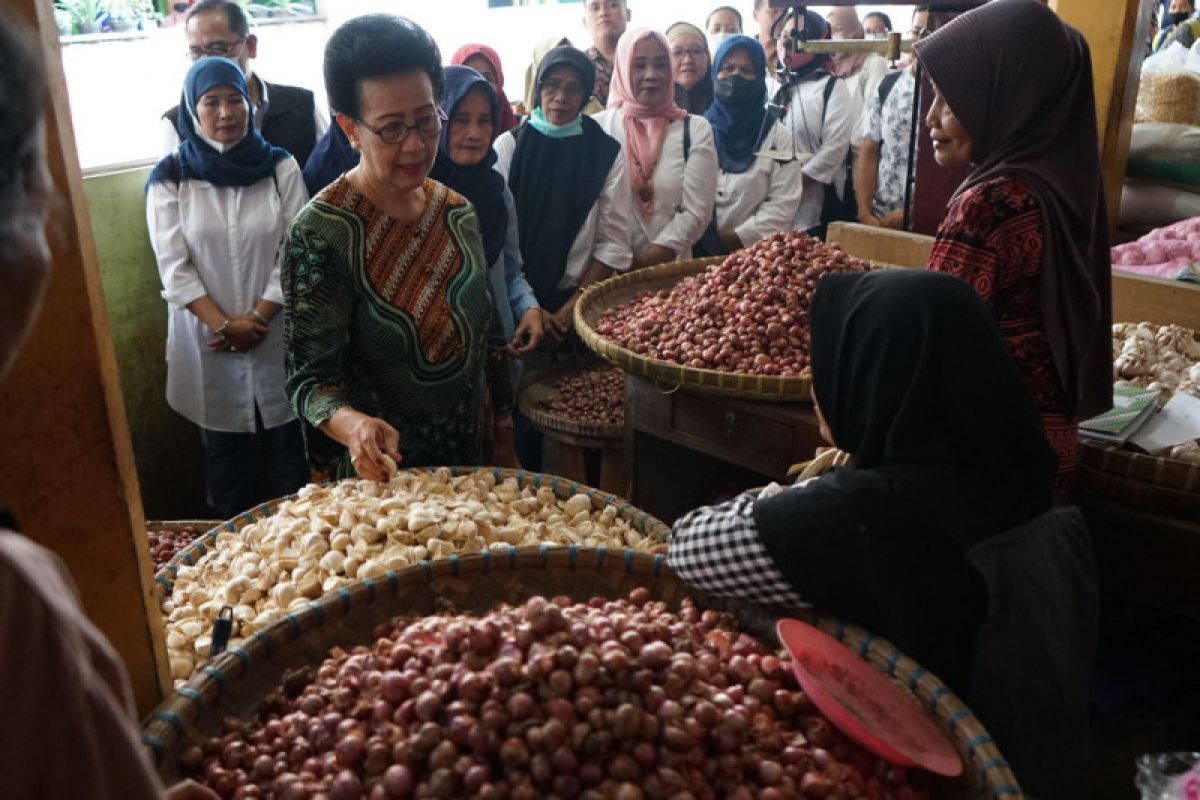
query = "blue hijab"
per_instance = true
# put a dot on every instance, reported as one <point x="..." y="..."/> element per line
<point x="479" y="183"/>
<point x="740" y="127"/>
<point x="244" y="164"/>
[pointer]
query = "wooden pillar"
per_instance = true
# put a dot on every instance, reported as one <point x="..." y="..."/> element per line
<point x="66" y="464"/>
<point x="1116" y="32"/>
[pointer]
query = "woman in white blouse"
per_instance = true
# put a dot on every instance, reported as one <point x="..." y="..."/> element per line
<point x="669" y="155"/>
<point x="756" y="196"/>
<point x="217" y="210"/>
<point x="861" y="72"/>
<point x="820" y="116"/>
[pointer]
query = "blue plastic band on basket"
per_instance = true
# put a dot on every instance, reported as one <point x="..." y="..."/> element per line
<point x="393" y="580"/>
<point x="554" y="484"/>
<point x="217" y="676"/>
<point x="190" y="694"/>
<point x="186" y="557"/>
<point x="241" y="653"/>
<point x="163" y="582"/>
<point x="454" y="565"/>
<point x="601" y="554"/>
<point x="628" y="560"/>
<point x="865" y="649"/>
<point x="347" y="600"/>
<point x="295" y="623"/>
<point x="993" y="763"/>
<point x="544" y="552"/>
<point x="512" y="557"/>
<point x="486" y="556"/>
<point x="659" y="560"/>
<point x="977" y="741"/>
<point x="319" y="610"/>
<point x="957" y="717"/>
<point x="840" y="631"/>
<point x="427" y="571"/>
<point x="172" y="719"/>
<point x="573" y="555"/>
<point x="370" y="584"/>
<point x="267" y="642"/>
<point x="893" y="659"/>
<point x="229" y="526"/>
<point x="155" y="744"/>
<point x="937" y="695"/>
<point x="916" y="676"/>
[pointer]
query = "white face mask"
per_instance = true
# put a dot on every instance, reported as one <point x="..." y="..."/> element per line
<point x="877" y="35"/>
<point x="715" y="40"/>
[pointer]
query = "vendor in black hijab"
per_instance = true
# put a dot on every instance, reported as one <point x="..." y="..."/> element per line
<point x="941" y="535"/>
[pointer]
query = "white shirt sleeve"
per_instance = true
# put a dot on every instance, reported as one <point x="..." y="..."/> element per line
<point x="613" y="210"/>
<point x="777" y="210"/>
<point x="504" y="146"/>
<point x="292" y="197"/>
<point x="180" y="279"/>
<point x="169" y="138"/>
<point x="520" y="294"/>
<point x="320" y="118"/>
<point x="829" y="159"/>
<point x="700" y="175"/>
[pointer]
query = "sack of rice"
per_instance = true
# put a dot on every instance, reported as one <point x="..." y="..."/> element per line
<point x="1169" y="97"/>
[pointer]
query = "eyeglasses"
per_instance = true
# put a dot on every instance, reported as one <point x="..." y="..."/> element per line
<point x="217" y="49"/>
<point x="396" y="132"/>
<point x="696" y="53"/>
<point x="572" y="91"/>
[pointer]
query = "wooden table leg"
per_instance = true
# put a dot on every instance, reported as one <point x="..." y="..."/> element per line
<point x="612" y="472"/>
<point x="570" y="462"/>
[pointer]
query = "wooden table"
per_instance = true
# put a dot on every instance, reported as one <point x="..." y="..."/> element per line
<point x="684" y="449"/>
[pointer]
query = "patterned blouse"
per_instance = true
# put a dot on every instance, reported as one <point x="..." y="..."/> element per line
<point x="991" y="237"/>
<point x="392" y="318"/>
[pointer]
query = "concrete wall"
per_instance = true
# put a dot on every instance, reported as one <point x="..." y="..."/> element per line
<point x="166" y="447"/>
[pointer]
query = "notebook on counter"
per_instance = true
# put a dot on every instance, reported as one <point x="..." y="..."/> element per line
<point x="1131" y="408"/>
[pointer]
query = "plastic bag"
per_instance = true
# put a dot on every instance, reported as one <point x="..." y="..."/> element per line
<point x="1169" y="776"/>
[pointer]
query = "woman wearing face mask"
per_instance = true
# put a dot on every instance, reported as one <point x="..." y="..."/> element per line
<point x="756" y="197"/>
<point x="691" y="66"/>
<point x="217" y="210"/>
<point x="1028" y="227"/>
<point x="722" y="22"/>
<point x="669" y="154"/>
<point x="572" y="200"/>
<point x="941" y="534"/>
<point x="819" y="113"/>
<point x="1177" y="25"/>
<point x="861" y="72"/>
<point x="393" y="345"/>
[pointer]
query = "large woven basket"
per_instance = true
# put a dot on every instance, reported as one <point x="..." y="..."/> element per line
<point x="179" y="525"/>
<point x="640" y="521"/>
<point x="539" y="385"/>
<point x="1149" y="483"/>
<point x="621" y="289"/>
<point x="236" y="681"/>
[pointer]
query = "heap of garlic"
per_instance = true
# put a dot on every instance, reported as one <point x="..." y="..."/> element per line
<point x="1165" y="358"/>
<point x="328" y="536"/>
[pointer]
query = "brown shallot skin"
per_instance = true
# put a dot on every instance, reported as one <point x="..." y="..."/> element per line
<point x="748" y="314"/>
<point x="595" y="396"/>
<point x="548" y="699"/>
<point x="165" y="545"/>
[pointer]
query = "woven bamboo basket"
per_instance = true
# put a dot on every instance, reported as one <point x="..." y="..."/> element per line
<point x="236" y="681"/>
<point x="621" y="289"/>
<point x="1149" y="483"/>
<point x="639" y="520"/>
<point x="538" y="385"/>
<point x="178" y="525"/>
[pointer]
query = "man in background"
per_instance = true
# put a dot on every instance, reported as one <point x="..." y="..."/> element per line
<point x="605" y="20"/>
<point x="286" y="116"/>
<point x="766" y="17"/>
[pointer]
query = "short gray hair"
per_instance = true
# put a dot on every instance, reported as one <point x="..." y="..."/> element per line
<point x="23" y="98"/>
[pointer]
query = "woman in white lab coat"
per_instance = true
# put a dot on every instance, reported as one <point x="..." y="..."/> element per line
<point x="819" y="113"/>
<point x="669" y="155"/>
<point x="217" y="210"/>
<point x="756" y="196"/>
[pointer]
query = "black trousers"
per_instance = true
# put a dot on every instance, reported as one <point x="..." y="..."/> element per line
<point x="245" y="469"/>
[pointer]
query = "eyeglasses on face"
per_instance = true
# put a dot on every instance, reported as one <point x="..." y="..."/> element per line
<point x="569" y="89"/>
<point x="396" y="131"/>
<point x="695" y="53"/>
<point x="217" y="49"/>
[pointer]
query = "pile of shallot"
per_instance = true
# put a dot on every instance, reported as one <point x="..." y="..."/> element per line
<point x="165" y="545"/>
<point x="549" y="699"/>
<point x="593" y="396"/>
<point x="748" y="314"/>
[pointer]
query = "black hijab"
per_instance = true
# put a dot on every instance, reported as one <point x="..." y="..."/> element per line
<point x="1020" y="82"/>
<point x="479" y="183"/>
<point x="914" y="381"/>
<point x="555" y="183"/>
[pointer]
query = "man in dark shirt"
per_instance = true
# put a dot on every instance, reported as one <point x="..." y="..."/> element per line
<point x="605" y="20"/>
<point x="287" y="116"/>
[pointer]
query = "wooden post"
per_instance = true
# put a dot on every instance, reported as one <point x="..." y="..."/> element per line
<point x="1116" y="32"/>
<point x="66" y="464"/>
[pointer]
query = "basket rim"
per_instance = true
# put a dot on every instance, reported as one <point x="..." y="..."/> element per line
<point x="642" y="521"/>
<point x="1112" y="459"/>
<point x="557" y="424"/>
<point x="731" y="384"/>
<point x="167" y="725"/>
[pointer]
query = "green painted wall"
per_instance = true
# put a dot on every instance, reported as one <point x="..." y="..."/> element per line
<point x="167" y="448"/>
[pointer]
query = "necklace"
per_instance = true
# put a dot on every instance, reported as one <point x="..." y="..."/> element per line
<point x="645" y="192"/>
